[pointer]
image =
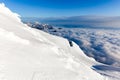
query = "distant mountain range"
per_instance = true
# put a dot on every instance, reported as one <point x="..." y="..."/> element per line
<point x="79" y="21"/>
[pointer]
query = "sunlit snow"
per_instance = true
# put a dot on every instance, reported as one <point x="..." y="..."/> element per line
<point x="30" y="54"/>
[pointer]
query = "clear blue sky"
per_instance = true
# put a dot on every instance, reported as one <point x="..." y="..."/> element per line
<point x="58" y="8"/>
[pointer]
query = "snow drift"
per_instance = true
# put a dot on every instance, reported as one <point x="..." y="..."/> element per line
<point x="30" y="54"/>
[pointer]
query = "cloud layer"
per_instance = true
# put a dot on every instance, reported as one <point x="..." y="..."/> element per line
<point x="81" y="21"/>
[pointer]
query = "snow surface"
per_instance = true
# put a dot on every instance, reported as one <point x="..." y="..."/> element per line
<point x="103" y="45"/>
<point x="30" y="54"/>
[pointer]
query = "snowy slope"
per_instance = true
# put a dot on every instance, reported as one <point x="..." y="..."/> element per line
<point x="29" y="54"/>
<point x="101" y="44"/>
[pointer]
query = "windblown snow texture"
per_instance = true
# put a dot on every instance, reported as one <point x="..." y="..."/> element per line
<point x="102" y="45"/>
<point x="30" y="54"/>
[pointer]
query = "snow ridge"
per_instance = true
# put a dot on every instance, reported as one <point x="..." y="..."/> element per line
<point x="45" y="57"/>
<point x="5" y="11"/>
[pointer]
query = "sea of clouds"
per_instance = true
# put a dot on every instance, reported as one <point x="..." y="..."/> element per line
<point x="97" y="36"/>
<point x="103" y="45"/>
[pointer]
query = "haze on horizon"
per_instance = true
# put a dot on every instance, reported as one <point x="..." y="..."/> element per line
<point x="60" y="8"/>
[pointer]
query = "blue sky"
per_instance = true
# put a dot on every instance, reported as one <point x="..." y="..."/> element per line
<point x="60" y="8"/>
